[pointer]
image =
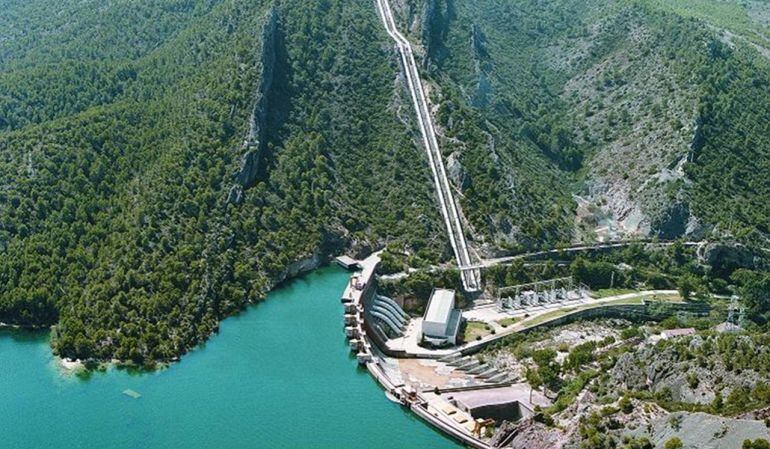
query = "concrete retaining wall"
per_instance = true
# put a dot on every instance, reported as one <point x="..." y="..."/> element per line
<point x="633" y="312"/>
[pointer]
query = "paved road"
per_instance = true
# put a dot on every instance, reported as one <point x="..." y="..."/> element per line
<point x="471" y="276"/>
<point x="573" y="249"/>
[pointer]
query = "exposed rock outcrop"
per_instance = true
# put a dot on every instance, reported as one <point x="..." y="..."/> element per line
<point x="672" y="222"/>
<point x="254" y="144"/>
<point x="430" y="15"/>
<point x="434" y="26"/>
<point x="478" y="42"/>
<point x="455" y="171"/>
<point x="483" y="67"/>
<point x="530" y="434"/>
<point x="671" y="372"/>
<point x="303" y="265"/>
<point x="706" y="431"/>
<point x="726" y="256"/>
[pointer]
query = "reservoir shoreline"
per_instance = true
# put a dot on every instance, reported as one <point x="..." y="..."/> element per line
<point x="285" y="366"/>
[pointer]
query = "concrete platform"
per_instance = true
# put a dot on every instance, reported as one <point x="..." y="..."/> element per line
<point x="496" y="402"/>
<point x="347" y="263"/>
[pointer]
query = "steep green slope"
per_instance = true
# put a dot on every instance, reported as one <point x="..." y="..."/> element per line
<point x="500" y="119"/>
<point x="162" y="164"/>
<point x="117" y="208"/>
<point x="52" y="66"/>
<point x="646" y="111"/>
<point x="731" y="148"/>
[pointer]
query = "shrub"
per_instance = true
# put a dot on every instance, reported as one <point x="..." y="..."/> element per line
<point x="625" y="404"/>
<point x="692" y="380"/>
<point x="759" y="443"/>
<point x="629" y="333"/>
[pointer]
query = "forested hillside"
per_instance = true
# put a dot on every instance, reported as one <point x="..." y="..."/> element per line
<point x="634" y="118"/>
<point x="122" y="144"/>
<point x="165" y="162"/>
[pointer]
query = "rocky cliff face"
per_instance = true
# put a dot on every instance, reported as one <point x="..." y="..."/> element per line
<point x="434" y="25"/>
<point x="638" y="134"/>
<point x="728" y="256"/>
<point x="671" y="371"/>
<point x="309" y="263"/>
<point x="255" y="142"/>
<point x="483" y="68"/>
<point x="705" y="431"/>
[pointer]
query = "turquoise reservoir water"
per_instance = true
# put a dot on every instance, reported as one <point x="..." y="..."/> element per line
<point x="278" y="376"/>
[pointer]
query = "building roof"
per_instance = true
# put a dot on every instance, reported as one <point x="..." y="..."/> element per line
<point x="440" y="306"/>
<point x="728" y="327"/>
<point x="679" y="332"/>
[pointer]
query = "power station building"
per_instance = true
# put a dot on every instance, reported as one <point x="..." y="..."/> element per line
<point x="441" y="322"/>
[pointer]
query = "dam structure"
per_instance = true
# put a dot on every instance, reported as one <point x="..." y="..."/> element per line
<point x="389" y="314"/>
<point x="363" y="327"/>
<point x="472" y="399"/>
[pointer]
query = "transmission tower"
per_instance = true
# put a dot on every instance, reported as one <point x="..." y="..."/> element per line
<point x="732" y="308"/>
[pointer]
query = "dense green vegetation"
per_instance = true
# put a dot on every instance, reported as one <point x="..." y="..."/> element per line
<point x="121" y="131"/>
<point x="114" y="176"/>
<point x="672" y="267"/>
<point x="734" y="128"/>
<point x="504" y="122"/>
<point x="603" y="99"/>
